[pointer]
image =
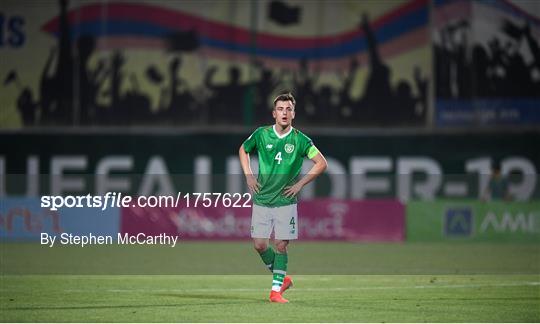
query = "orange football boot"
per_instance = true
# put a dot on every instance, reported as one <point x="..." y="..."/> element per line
<point x="287" y="283"/>
<point x="275" y="297"/>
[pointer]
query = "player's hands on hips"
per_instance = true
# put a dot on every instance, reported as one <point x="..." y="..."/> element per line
<point x="293" y="190"/>
<point x="252" y="183"/>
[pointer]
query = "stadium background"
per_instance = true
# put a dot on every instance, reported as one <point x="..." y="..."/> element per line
<point x="412" y="102"/>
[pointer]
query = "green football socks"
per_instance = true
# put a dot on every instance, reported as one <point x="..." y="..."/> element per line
<point x="268" y="257"/>
<point x="279" y="271"/>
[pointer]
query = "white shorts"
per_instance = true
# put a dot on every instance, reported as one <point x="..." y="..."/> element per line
<point x="283" y="220"/>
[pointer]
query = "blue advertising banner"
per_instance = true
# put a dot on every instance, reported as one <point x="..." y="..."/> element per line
<point x="487" y="112"/>
<point x="24" y="218"/>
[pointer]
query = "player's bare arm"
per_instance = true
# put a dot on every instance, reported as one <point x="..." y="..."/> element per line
<point x="252" y="182"/>
<point x="319" y="165"/>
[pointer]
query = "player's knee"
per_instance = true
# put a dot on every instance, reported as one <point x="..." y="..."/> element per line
<point x="260" y="246"/>
<point x="281" y="246"/>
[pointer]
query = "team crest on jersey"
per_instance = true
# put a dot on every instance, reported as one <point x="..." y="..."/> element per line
<point x="289" y="148"/>
<point x="269" y="146"/>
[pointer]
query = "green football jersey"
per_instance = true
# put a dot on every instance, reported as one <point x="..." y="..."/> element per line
<point x="280" y="162"/>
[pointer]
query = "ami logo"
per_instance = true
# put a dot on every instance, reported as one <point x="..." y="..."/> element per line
<point x="458" y="222"/>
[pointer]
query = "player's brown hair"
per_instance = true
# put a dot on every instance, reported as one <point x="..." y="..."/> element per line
<point x="285" y="97"/>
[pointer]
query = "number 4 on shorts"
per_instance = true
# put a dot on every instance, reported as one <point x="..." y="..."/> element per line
<point x="292" y="222"/>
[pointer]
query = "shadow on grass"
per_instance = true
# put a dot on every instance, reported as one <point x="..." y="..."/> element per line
<point x="227" y="298"/>
<point x="210" y="296"/>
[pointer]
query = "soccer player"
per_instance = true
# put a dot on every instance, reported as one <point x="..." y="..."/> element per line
<point x="281" y="150"/>
<point x="497" y="187"/>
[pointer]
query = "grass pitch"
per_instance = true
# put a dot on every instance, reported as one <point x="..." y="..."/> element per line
<point x="383" y="283"/>
<point x="211" y="298"/>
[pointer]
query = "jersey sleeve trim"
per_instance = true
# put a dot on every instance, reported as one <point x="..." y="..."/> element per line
<point x="251" y="142"/>
<point x="245" y="150"/>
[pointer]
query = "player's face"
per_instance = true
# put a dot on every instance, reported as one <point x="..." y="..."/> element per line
<point x="283" y="113"/>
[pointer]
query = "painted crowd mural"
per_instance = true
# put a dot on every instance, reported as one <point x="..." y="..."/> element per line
<point x="349" y="63"/>
<point x="214" y="62"/>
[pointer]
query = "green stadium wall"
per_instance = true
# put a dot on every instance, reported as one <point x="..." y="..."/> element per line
<point x="358" y="163"/>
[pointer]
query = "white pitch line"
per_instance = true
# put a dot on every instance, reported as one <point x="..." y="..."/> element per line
<point x="434" y="286"/>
